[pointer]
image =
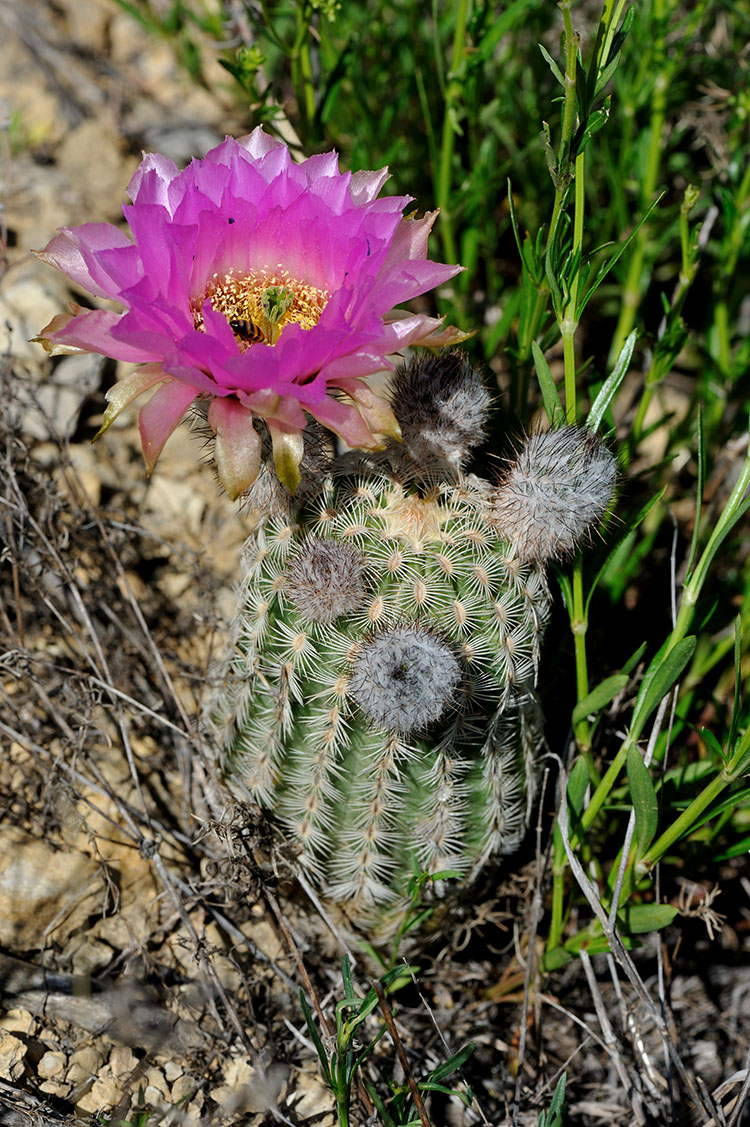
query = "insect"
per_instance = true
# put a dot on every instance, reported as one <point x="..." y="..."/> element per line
<point x="247" y="331"/>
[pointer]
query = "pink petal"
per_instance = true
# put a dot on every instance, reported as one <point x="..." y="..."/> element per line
<point x="258" y="143"/>
<point x="73" y="251"/>
<point x="126" y="390"/>
<point x="366" y="185"/>
<point x="151" y="180"/>
<point x="418" y="329"/>
<point x="46" y="336"/>
<point x="238" y="446"/>
<point x="91" y="331"/>
<point x="160" y="417"/>
<point x="346" y="421"/>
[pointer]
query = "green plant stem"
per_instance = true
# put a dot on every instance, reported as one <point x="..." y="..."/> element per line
<point x="631" y="294"/>
<point x="690" y="594"/>
<point x="302" y="70"/>
<point x="453" y="93"/>
<point x="733" y="246"/>
<point x="569" y="118"/>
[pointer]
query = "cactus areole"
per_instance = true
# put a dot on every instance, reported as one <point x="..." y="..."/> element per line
<point x="380" y="693"/>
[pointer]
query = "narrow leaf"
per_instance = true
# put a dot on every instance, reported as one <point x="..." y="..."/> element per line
<point x="632" y="661"/>
<point x="552" y="65"/>
<point x="550" y="395"/>
<point x="444" y="1070"/>
<point x="611" y="385"/>
<point x="699" y="487"/>
<point x="645" y="803"/>
<point x="640" y="918"/>
<point x="599" y="697"/>
<point x="659" y="679"/>
<point x="315" y="1036"/>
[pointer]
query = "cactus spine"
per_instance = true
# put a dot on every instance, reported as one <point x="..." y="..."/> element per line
<point x="379" y="697"/>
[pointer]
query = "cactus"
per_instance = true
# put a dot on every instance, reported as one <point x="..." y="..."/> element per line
<point x="380" y="694"/>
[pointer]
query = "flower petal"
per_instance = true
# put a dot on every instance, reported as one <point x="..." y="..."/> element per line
<point x="161" y="416"/>
<point x="74" y="251"/>
<point x="46" y="335"/>
<point x="288" y="449"/>
<point x="375" y="410"/>
<point x="126" y="390"/>
<point x="347" y="422"/>
<point x="238" y="445"/>
<point x="91" y="330"/>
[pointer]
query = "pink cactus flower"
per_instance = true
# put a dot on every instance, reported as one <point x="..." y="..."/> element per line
<point x="261" y="287"/>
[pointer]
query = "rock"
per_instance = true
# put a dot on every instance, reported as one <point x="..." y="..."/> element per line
<point x="39" y="884"/>
<point x="122" y="1061"/>
<point x="173" y="1071"/>
<point x="52" y="1064"/>
<point x="84" y="1065"/>
<point x="310" y="1096"/>
<point x="18" y="1021"/>
<point x="103" y="1093"/>
<point x="12" y="1052"/>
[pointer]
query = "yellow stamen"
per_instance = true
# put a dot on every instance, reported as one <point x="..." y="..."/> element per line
<point x="260" y="304"/>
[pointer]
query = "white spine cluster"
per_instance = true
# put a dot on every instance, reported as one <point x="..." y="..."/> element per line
<point x="404" y="678"/>
<point x="554" y="492"/>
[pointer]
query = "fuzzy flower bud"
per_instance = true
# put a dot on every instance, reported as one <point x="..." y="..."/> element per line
<point x="554" y="492"/>
<point x="441" y="405"/>
<point x="326" y="580"/>
<point x="404" y="678"/>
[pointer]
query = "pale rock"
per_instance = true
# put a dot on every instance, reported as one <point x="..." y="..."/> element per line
<point x="247" y="1087"/>
<point x="54" y="1087"/>
<point x="153" y="1095"/>
<point x="84" y="1064"/>
<point x="173" y="1071"/>
<point x="103" y="1093"/>
<point x="101" y="182"/>
<point x="12" y="1052"/>
<point x="310" y="1097"/>
<point x="18" y="1021"/>
<point x="183" y="1087"/>
<point x="52" y="1064"/>
<point x="89" y="955"/>
<point x="122" y="1061"/>
<point x="31" y="294"/>
<point x="155" y="1079"/>
<point x="56" y="402"/>
<point x="39" y="883"/>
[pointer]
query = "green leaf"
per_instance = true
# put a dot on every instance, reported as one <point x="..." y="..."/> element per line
<point x="645" y="803"/>
<point x="699" y="487"/>
<point x="380" y="1107"/>
<point x="739" y="849"/>
<point x="599" y="697"/>
<point x="640" y="918"/>
<point x="596" y="121"/>
<point x="552" y="65"/>
<point x="553" y="1116"/>
<point x="550" y="395"/>
<point x="659" y="679"/>
<point x="633" y="660"/>
<point x="443" y="1071"/>
<point x="578" y="781"/>
<point x="611" y="385"/>
<point x="315" y="1036"/>
<point x="710" y="739"/>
